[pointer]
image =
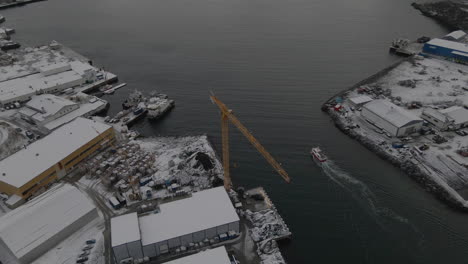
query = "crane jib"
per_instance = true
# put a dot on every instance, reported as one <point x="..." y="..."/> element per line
<point x="226" y="116"/>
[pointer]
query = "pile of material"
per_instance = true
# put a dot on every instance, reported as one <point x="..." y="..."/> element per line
<point x="122" y="167"/>
<point x="411" y="83"/>
<point x="269" y="253"/>
<point x="267" y="225"/>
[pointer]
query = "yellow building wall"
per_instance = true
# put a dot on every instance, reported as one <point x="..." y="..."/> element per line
<point x="86" y="150"/>
<point x="6" y="188"/>
<point x="65" y="164"/>
<point x="39" y="181"/>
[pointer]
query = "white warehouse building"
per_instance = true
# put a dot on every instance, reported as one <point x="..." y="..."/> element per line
<point x="38" y="226"/>
<point x="391" y="118"/>
<point x="205" y="215"/>
<point x="44" y="108"/>
<point x="49" y="79"/>
<point x="458" y="114"/>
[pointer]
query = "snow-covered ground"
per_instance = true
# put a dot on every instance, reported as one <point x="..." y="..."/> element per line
<point x="26" y="61"/>
<point x="438" y="84"/>
<point x="190" y="162"/>
<point x="177" y="158"/>
<point x="68" y="250"/>
<point x="10" y="139"/>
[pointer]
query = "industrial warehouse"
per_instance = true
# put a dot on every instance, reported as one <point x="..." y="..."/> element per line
<point x="393" y="119"/>
<point x="51" y="158"/>
<point x="203" y="216"/>
<point x="216" y="256"/>
<point x="36" y="227"/>
<point x="450" y="49"/>
<point x="50" y="79"/>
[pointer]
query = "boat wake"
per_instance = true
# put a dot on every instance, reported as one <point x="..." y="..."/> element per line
<point x="366" y="198"/>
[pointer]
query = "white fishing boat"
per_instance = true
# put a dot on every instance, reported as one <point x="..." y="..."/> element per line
<point x="318" y="155"/>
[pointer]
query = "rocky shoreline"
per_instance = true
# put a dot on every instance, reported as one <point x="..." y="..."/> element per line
<point x="409" y="168"/>
<point x="453" y="14"/>
<point x="412" y="170"/>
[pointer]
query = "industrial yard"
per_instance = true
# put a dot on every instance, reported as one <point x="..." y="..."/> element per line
<point x="414" y="114"/>
<point x="125" y="199"/>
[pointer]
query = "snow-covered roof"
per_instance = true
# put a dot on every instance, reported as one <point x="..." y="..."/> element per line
<point x="32" y="224"/>
<point x="27" y="111"/>
<point x="391" y="112"/>
<point x="81" y="67"/>
<point x="204" y="210"/>
<point x="48" y="104"/>
<point x="435" y="114"/>
<point x="456" y="34"/>
<point x="360" y="99"/>
<point x="48" y="151"/>
<point x="125" y="229"/>
<point x="448" y="44"/>
<point x="211" y="256"/>
<point x="84" y="109"/>
<point x="54" y="68"/>
<point x="28" y="85"/>
<point x="457" y="113"/>
<point x="460" y="53"/>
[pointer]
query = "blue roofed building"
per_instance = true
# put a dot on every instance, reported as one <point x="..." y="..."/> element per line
<point x="448" y="49"/>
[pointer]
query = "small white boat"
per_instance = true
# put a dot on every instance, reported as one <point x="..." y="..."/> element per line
<point x="111" y="90"/>
<point x="105" y="88"/>
<point x="318" y="155"/>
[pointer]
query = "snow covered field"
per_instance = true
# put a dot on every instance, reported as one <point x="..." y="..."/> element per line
<point x="437" y="82"/>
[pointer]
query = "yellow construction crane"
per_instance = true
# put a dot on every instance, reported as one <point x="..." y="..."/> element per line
<point x="226" y="117"/>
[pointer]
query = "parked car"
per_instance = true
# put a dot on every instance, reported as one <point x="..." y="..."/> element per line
<point x="82" y="260"/>
<point x="149" y="194"/>
<point x="91" y="241"/>
<point x="88" y="247"/>
<point x="29" y="134"/>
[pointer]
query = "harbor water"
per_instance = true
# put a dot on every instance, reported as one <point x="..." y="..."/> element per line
<point x="274" y="63"/>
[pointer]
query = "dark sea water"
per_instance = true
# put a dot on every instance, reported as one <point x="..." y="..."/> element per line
<point x="274" y="63"/>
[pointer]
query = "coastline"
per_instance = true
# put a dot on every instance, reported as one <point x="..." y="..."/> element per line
<point x="438" y="187"/>
<point x="452" y="14"/>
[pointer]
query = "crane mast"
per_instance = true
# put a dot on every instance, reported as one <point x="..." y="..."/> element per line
<point x="226" y="117"/>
